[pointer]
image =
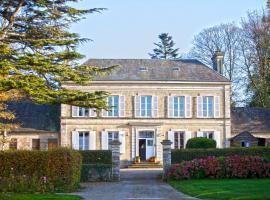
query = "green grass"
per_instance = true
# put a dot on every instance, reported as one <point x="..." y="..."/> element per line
<point x="12" y="196"/>
<point x="225" y="189"/>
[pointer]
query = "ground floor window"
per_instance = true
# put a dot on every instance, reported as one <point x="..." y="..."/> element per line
<point x="13" y="144"/>
<point x="112" y="135"/>
<point x="83" y="140"/>
<point x="245" y="144"/>
<point x="52" y="143"/>
<point x="35" y="144"/>
<point x="179" y="139"/>
<point x="208" y="134"/>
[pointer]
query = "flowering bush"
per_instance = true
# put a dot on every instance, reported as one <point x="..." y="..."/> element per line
<point x="221" y="167"/>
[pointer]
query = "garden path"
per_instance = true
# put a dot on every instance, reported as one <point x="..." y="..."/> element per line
<point x="135" y="184"/>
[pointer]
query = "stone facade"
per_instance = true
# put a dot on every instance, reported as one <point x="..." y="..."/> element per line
<point x="160" y="125"/>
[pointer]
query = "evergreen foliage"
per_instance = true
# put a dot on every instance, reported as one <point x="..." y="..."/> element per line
<point x="165" y="48"/>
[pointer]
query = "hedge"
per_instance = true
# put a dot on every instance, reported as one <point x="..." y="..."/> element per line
<point x="221" y="167"/>
<point x="97" y="165"/>
<point x="201" y="142"/>
<point x="56" y="170"/>
<point x="180" y="155"/>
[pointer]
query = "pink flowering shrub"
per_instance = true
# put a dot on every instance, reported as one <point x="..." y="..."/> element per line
<point x="221" y="167"/>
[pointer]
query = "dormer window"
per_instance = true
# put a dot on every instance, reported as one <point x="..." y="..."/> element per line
<point x="176" y="68"/>
<point x="143" y="69"/>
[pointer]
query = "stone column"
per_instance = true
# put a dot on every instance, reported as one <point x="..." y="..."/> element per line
<point x="166" y="156"/>
<point x="115" y="160"/>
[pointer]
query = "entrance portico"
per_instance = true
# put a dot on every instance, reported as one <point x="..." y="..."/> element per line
<point x="145" y="140"/>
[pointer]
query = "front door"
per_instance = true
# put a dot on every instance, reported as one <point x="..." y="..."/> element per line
<point x="142" y="149"/>
<point x="146" y="145"/>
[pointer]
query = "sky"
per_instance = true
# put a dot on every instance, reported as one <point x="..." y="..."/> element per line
<point x="128" y="28"/>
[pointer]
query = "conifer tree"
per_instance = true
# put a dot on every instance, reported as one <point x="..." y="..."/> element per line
<point x="165" y="48"/>
<point x="38" y="52"/>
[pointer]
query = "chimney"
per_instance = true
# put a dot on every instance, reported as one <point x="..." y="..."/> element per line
<point x="218" y="61"/>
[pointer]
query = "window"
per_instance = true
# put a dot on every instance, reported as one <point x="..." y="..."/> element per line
<point x="13" y="144"/>
<point x="208" y="106"/>
<point x="83" y="112"/>
<point x="112" y="135"/>
<point x="179" y="140"/>
<point x="35" y="144"/>
<point x="146" y="106"/>
<point x="113" y="103"/>
<point x="143" y="69"/>
<point x="208" y="134"/>
<point x="83" y="140"/>
<point x="146" y="134"/>
<point x="245" y="144"/>
<point x="179" y="106"/>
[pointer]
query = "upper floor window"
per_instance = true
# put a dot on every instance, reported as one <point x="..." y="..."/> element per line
<point x="83" y="112"/>
<point x="208" y="106"/>
<point x="113" y="103"/>
<point x="179" y="106"/>
<point x="146" y="106"/>
<point x="83" y="140"/>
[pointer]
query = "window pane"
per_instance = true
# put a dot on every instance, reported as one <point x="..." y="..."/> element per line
<point x="86" y="141"/>
<point x="81" y="141"/>
<point x="176" y="145"/>
<point x="149" y="106"/>
<point x="175" y="106"/>
<point x="81" y="111"/>
<point x="116" y="106"/>
<point x="146" y="104"/>
<point x="182" y="140"/>
<point x="182" y="106"/>
<point x="112" y="135"/>
<point x="205" y="106"/>
<point x="210" y="107"/>
<point x="86" y="111"/>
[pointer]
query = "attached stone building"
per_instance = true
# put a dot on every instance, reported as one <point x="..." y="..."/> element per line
<point x="151" y="100"/>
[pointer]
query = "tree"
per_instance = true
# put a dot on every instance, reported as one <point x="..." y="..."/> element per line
<point x="255" y="48"/>
<point x="224" y="37"/>
<point x="38" y="53"/>
<point x="165" y="48"/>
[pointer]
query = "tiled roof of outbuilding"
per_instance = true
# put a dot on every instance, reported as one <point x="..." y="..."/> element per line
<point x="188" y="70"/>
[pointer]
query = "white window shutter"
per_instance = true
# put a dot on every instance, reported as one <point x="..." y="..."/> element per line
<point x="122" y="140"/>
<point x="217" y="106"/>
<point x="137" y="106"/>
<point x="188" y="107"/>
<point x="199" y="107"/>
<point x="171" y="138"/>
<point x="187" y="137"/>
<point x="199" y="134"/>
<point x="170" y="106"/>
<point x="74" y="111"/>
<point x="75" y="140"/>
<point x="104" y="140"/>
<point x="217" y="138"/>
<point x="155" y="106"/>
<point x="92" y="140"/>
<point x="122" y="106"/>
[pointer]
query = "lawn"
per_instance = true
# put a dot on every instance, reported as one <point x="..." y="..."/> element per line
<point x="225" y="189"/>
<point x="12" y="196"/>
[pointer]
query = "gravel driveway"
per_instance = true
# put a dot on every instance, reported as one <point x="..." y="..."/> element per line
<point x="137" y="184"/>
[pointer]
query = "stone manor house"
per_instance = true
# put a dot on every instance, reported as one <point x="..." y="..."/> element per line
<point x="151" y="100"/>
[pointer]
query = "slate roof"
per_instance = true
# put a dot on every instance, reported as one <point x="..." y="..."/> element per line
<point x="254" y="120"/>
<point x="34" y="117"/>
<point x="157" y="70"/>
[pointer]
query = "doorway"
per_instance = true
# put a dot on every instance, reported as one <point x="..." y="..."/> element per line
<point x="146" y="145"/>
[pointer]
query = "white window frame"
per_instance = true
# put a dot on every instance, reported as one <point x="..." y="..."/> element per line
<point x="178" y="106"/>
<point x="113" y="108"/>
<point x="113" y="137"/>
<point x="206" y="134"/>
<point x="178" y="141"/>
<point x="90" y="110"/>
<point x="146" y="106"/>
<point x="83" y="140"/>
<point x="207" y="106"/>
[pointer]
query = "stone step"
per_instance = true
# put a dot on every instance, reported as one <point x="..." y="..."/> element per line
<point x="145" y="165"/>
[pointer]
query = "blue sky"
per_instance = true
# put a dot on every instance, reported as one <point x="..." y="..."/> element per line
<point x="129" y="27"/>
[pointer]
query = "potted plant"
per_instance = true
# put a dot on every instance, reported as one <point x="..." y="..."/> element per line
<point x="137" y="159"/>
<point x="153" y="159"/>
